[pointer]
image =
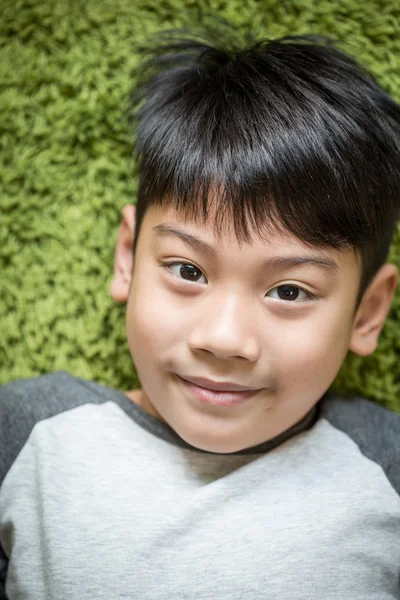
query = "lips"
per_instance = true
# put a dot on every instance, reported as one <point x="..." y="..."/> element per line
<point x="220" y="397"/>
<point x="222" y="386"/>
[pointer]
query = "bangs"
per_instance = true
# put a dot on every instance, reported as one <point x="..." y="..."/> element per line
<point x="273" y="174"/>
<point x="290" y="135"/>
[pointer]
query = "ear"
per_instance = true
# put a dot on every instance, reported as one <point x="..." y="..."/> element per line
<point x="373" y="310"/>
<point x="123" y="259"/>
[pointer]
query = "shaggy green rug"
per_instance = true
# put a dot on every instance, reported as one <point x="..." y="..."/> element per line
<point x="66" y="169"/>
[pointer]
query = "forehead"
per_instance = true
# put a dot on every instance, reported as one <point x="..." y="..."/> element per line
<point x="167" y="223"/>
<point x="208" y="230"/>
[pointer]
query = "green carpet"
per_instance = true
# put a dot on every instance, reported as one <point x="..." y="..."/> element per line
<point x="66" y="169"/>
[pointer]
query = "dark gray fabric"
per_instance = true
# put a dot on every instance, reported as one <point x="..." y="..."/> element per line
<point x="375" y="430"/>
<point x="3" y="574"/>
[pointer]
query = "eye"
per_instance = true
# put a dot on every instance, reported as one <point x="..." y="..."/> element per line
<point x="290" y="293"/>
<point x="185" y="271"/>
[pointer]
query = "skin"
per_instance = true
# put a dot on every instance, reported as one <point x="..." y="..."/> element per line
<point x="229" y="322"/>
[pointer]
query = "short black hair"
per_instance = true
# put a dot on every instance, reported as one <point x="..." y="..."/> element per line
<point x="291" y="133"/>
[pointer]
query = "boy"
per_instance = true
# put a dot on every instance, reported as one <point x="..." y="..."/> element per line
<point x="268" y="196"/>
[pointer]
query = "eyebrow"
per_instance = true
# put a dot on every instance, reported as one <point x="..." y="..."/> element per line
<point x="324" y="262"/>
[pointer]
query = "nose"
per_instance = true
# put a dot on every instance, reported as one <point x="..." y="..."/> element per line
<point x="226" y="329"/>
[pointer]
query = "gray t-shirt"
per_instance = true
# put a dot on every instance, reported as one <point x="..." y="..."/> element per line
<point x="100" y="500"/>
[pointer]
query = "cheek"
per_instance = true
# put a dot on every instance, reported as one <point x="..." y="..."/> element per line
<point x="153" y="323"/>
<point x="313" y="349"/>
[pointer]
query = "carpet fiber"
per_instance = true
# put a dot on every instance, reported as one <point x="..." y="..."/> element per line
<point x="66" y="169"/>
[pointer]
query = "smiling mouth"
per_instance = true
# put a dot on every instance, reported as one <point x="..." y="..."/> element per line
<point x="222" y="386"/>
<point x="220" y="397"/>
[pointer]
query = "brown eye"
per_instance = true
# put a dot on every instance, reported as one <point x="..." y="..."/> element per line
<point x="189" y="272"/>
<point x="290" y="293"/>
<point x="185" y="271"/>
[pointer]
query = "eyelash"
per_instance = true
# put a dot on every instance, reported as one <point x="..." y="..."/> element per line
<point x="309" y="295"/>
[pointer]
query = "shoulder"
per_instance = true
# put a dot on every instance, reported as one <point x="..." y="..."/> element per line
<point x="25" y="402"/>
<point x="34" y="398"/>
<point x="374" y="428"/>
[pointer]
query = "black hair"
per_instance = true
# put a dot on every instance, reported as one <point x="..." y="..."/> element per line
<point x="290" y="133"/>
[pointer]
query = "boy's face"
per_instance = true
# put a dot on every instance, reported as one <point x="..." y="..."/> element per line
<point x="226" y="318"/>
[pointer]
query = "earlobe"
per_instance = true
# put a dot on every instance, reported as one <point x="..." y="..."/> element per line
<point x="373" y="310"/>
<point x="123" y="259"/>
